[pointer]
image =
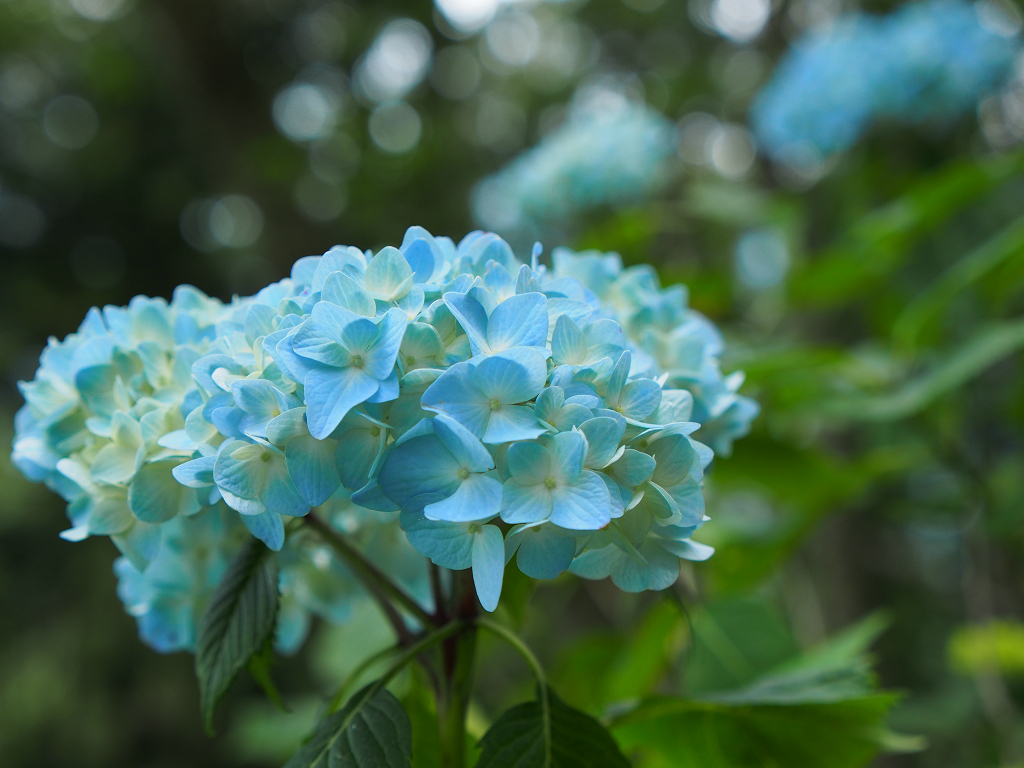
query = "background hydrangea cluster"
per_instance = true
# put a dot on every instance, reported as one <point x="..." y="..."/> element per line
<point x="924" y="62"/>
<point x="489" y="408"/>
<point x="598" y="157"/>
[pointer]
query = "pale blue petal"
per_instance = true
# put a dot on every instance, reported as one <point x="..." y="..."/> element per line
<point x="513" y="376"/>
<point x="676" y="459"/>
<point x="421" y="466"/>
<point x="372" y="497"/>
<point x="330" y="321"/>
<point x="634" y="468"/>
<point x="603" y="436"/>
<point x="304" y="269"/>
<point x="568" y="345"/>
<point x="549" y="403"/>
<point x="640" y="398"/>
<point x="584" y="506"/>
<point x="113" y="464"/>
<point x="462" y="444"/>
<point x="421" y="346"/>
<point x="197" y="473"/>
<point x="239" y="470"/>
<point x="295" y="366"/>
<point x="381" y="355"/>
<point x="559" y="307"/>
<point x="488" y="559"/>
<point x="596" y="563"/>
<point x="544" y="553"/>
<point x="688" y="549"/>
<point x="572" y="415"/>
<point x="139" y="544"/>
<point x="512" y="422"/>
<point x="110" y="515"/>
<point x="529" y="463"/>
<point x="617" y="379"/>
<point x="449" y="545"/>
<point x="568" y="450"/>
<point x="456" y="394"/>
<point x="388" y="275"/>
<point x="313" y="342"/>
<point x="617" y="497"/>
<point x="387" y="391"/>
<point x="356" y="452"/>
<point x="519" y="321"/>
<point x="342" y="290"/>
<point x="659" y="502"/>
<point x="690" y="500"/>
<point x="477" y="497"/>
<point x="242" y="506"/>
<point x="526" y="503"/>
<point x="332" y="393"/>
<point x="312" y="467"/>
<point x="279" y="491"/>
<point x="288" y="425"/>
<point x="340" y="258"/>
<point x="267" y="527"/>
<point x="473" y="319"/>
<point x="154" y="496"/>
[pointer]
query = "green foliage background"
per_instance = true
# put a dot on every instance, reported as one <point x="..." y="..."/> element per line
<point x="885" y="478"/>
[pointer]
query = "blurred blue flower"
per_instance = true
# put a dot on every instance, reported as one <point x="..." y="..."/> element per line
<point x="925" y="62"/>
<point x="608" y="158"/>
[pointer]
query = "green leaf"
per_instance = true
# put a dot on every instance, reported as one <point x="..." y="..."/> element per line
<point x="238" y="622"/>
<point x="632" y="666"/>
<point x="259" y="667"/>
<point x="519" y="739"/>
<point x="929" y="304"/>
<point x="985" y="349"/>
<point x="735" y="641"/>
<point x="650" y="652"/>
<point x="818" y="710"/>
<point x="672" y="733"/>
<point x="879" y="243"/>
<point x="371" y="731"/>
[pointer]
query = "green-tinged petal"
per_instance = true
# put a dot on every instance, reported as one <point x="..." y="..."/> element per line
<point x="488" y="559"/>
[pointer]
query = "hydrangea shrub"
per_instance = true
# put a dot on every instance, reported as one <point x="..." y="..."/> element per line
<point x="595" y="159"/>
<point x="428" y="402"/>
<point x="925" y="62"/>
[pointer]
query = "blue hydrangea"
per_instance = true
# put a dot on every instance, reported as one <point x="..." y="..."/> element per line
<point x="608" y="158"/>
<point x="672" y="343"/>
<point x="925" y="62"/>
<point x="432" y="401"/>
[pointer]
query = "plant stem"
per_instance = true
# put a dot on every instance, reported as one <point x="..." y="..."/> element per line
<point x="452" y="718"/>
<point x="459" y="660"/>
<point x="543" y="696"/>
<point x="352" y="677"/>
<point x="376" y="581"/>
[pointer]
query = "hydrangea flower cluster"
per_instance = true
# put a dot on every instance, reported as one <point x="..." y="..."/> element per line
<point x="491" y="409"/>
<point x="596" y="158"/>
<point x="926" y="61"/>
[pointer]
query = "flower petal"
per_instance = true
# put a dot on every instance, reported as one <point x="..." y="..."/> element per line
<point x="488" y="558"/>
<point x="477" y="497"/>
